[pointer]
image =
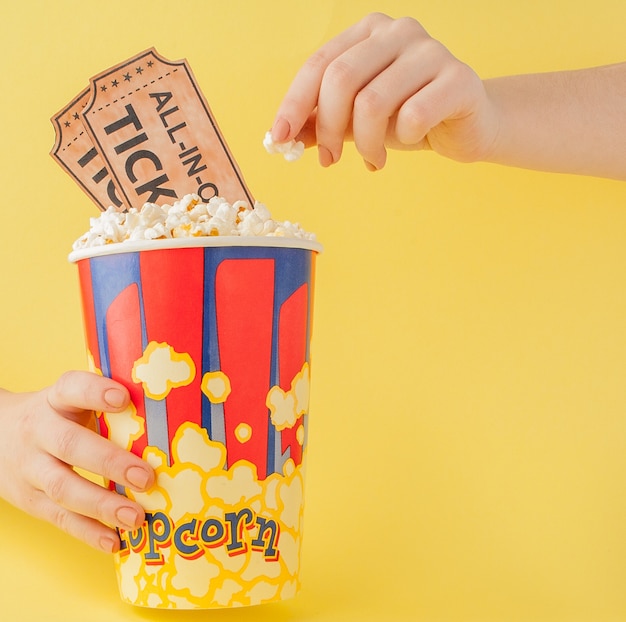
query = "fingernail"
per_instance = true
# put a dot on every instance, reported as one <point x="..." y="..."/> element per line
<point x="369" y="166"/>
<point x="109" y="545"/>
<point x="325" y="156"/>
<point x="115" y="397"/>
<point x="128" y="518"/>
<point x="137" y="477"/>
<point x="281" y="129"/>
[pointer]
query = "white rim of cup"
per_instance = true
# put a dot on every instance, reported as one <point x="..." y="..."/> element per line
<point x="193" y="242"/>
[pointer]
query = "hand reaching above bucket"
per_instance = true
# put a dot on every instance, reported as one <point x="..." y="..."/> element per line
<point x="385" y="83"/>
<point x="44" y="434"/>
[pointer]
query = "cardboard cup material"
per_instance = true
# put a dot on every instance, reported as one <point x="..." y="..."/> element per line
<point x="211" y="336"/>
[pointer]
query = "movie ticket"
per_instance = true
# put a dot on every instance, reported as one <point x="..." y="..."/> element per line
<point x="144" y="133"/>
<point x="75" y="152"/>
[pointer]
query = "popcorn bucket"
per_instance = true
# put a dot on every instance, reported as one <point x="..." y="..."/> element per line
<point x="211" y="337"/>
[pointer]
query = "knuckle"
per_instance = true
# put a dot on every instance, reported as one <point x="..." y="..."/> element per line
<point x="65" y="381"/>
<point x="62" y="518"/>
<point x="375" y="18"/>
<point x="101" y="508"/>
<point x="409" y="31"/>
<point x="111" y="464"/>
<point x="339" y="75"/>
<point x="290" y="102"/>
<point x="62" y="390"/>
<point x="415" y="116"/>
<point x="317" y="62"/>
<point x="66" y="442"/>
<point x="325" y="132"/>
<point x="412" y="124"/>
<point x="369" y="103"/>
<point x="460" y="74"/>
<point x="408" y="25"/>
<point x="55" y="487"/>
<point x="432" y="49"/>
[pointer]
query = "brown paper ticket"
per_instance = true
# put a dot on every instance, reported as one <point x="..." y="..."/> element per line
<point x="153" y="127"/>
<point x="75" y="152"/>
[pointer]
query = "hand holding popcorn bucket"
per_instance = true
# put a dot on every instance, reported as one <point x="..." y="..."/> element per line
<point x="211" y="336"/>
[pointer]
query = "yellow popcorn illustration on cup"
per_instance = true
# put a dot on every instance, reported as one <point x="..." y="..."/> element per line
<point x="213" y="345"/>
<point x="216" y="543"/>
<point x="216" y="386"/>
<point x="162" y="369"/>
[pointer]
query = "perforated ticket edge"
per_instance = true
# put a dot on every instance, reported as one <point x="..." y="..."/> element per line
<point x="63" y="143"/>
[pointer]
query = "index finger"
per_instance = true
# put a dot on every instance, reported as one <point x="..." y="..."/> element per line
<point x="78" y="391"/>
<point x="77" y="446"/>
<point x="301" y="98"/>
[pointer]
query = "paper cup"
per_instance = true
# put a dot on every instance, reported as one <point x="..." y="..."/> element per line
<point x="211" y="336"/>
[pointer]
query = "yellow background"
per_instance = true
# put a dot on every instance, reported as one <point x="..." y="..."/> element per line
<point x="468" y="419"/>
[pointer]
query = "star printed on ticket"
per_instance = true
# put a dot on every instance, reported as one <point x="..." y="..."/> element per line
<point x="143" y="132"/>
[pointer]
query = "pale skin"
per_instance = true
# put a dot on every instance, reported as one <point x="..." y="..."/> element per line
<point x="385" y="83"/>
<point x="44" y="433"/>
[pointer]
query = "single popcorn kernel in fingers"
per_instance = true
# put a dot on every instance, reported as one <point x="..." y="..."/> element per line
<point x="291" y="150"/>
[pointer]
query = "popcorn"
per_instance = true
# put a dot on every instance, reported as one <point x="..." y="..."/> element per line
<point x="287" y="406"/>
<point x="124" y="427"/>
<point x="291" y="150"/>
<point x="162" y="369"/>
<point x="188" y="217"/>
<point x="216" y="386"/>
<point x="178" y="553"/>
